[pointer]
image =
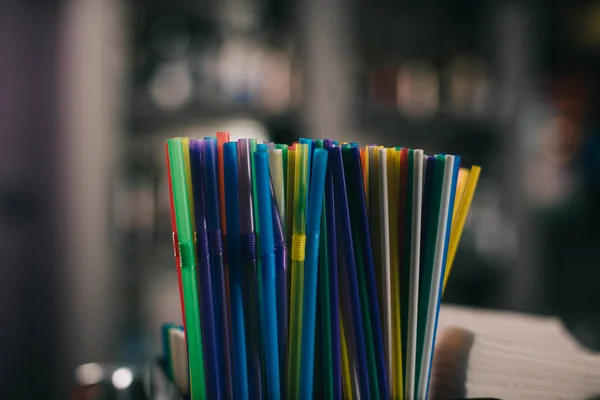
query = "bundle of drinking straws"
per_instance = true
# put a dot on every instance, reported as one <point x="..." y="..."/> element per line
<point x="314" y="270"/>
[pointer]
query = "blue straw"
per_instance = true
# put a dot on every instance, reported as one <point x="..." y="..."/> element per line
<point x="214" y="376"/>
<point x="234" y="257"/>
<point x="332" y="254"/>
<point x="311" y="263"/>
<point x="267" y="255"/>
<point x="282" y="289"/>
<point x="250" y="271"/>
<point x="261" y="147"/>
<point x="348" y="273"/>
<point x="352" y="167"/>
<point x="215" y="241"/>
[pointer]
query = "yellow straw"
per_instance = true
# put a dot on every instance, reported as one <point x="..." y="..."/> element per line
<point x="364" y="158"/>
<point x="297" y="256"/>
<point x="461" y="217"/>
<point x="463" y="176"/>
<point x="289" y="206"/>
<point x="276" y="167"/>
<point x="346" y="380"/>
<point x="185" y="146"/>
<point x="393" y="160"/>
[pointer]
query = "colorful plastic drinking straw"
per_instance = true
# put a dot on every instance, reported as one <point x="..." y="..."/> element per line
<point x="385" y="265"/>
<point x="282" y="289"/>
<point x="284" y="159"/>
<point x="460" y="219"/>
<point x="403" y="246"/>
<point x="345" y="362"/>
<point x="290" y="193"/>
<point x="434" y="274"/>
<point x="185" y="146"/>
<point x="267" y="254"/>
<point x="461" y="184"/>
<point x="289" y="213"/>
<point x="428" y="266"/>
<point x="278" y="178"/>
<point x="318" y="382"/>
<point x="214" y="377"/>
<point x="309" y="143"/>
<point x="297" y="256"/>
<point x="415" y="254"/>
<point x="175" y="240"/>
<point x="332" y="272"/>
<point x="454" y="166"/>
<point x="311" y="263"/>
<point x="393" y="163"/>
<point x="217" y="261"/>
<point x="429" y="175"/>
<point x="366" y="269"/>
<point x="249" y="271"/>
<point x="253" y="145"/>
<point x="375" y="217"/>
<point x="188" y="270"/>
<point x="234" y="258"/>
<point x="222" y="138"/>
<point x="349" y="269"/>
<point x="364" y="161"/>
<point x="345" y="297"/>
<point x="324" y="330"/>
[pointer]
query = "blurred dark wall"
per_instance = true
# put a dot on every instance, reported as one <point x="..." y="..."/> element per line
<point x="29" y="204"/>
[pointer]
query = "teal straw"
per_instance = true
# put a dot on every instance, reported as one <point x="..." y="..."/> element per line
<point x="311" y="264"/>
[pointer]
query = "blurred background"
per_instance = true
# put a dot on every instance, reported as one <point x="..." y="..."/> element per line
<point x="90" y="89"/>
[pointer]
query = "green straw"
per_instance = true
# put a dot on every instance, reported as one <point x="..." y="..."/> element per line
<point x="257" y="231"/>
<point x="188" y="268"/>
<point x="327" y="351"/>
<point x="405" y="263"/>
<point x="297" y="256"/>
<point x="284" y="156"/>
<point x="427" y="267"/>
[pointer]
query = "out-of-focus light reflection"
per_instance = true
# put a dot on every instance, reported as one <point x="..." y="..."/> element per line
<point x="239" y="70"/>
<point x="122" y="378"/>
<point x="418" y="89"/>
<point x="171" y="86"/>
<point x="587" y="24"/>
<point x="276" y="81"/>
<point x="89" y="374"/>
<point x="468" y="86"/>
<point x="559" y="140"/>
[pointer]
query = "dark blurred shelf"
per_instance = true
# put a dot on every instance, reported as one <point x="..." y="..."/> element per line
<point x="439" y="132"/>
<point x="388" y="117"/>
<point x="147" y="119"/>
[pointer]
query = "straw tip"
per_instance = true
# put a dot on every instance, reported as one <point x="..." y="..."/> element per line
<point x="261" y="147"/>
<point x="320" y="157"/>
<point x="195" y="144"/>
